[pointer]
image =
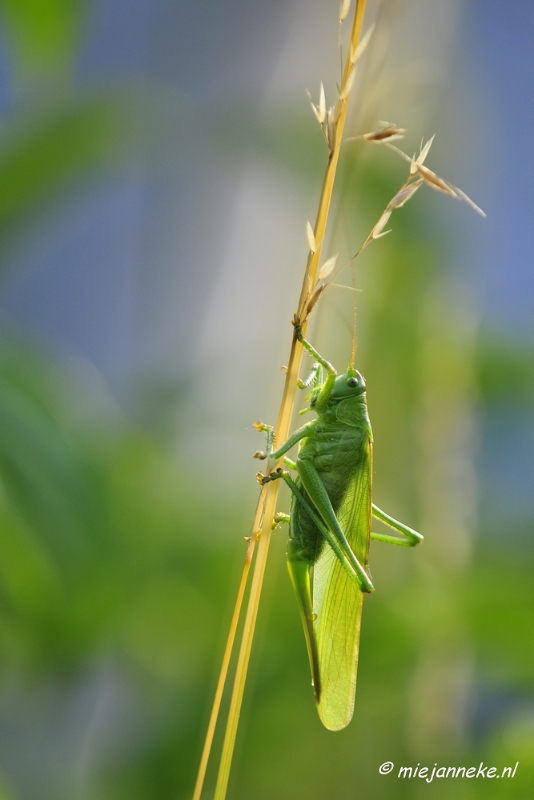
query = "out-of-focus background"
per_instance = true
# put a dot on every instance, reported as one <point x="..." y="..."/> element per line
<point x="158" y="160"/>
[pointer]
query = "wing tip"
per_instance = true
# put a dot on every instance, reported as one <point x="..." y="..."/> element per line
<point x="335" y="719"/>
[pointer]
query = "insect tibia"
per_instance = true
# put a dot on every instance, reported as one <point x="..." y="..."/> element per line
<point x="412" y="537"/>
<point x="300" y="574"/>
<point x="315" y="377"/>
<point x="269" y="430"/>
<point x="311" y="349"/>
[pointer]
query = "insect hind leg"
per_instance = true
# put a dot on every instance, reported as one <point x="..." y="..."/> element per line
<point x="412" y="537"/>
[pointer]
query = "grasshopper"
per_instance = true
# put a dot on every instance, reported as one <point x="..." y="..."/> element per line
<point x="330" y="528"/>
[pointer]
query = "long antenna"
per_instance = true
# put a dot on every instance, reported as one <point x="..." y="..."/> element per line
<point x="354" y="316"/>
<point x="354" y="292"/>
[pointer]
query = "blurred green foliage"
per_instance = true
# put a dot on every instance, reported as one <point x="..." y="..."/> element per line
<point x="42" y="157"/>
<point x="53" y="137"/>
<point x="44" y="34"/>
<point x="107" y="552"/>
<point x="114" y="563"/>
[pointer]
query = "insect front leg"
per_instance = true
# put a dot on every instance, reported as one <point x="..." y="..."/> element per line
<point x="326" y="389"/>
<point x="299" y="434"/>
<point x="269" y="430"/>
<point x="412" y="537"/>
<point x="314" y="378"/>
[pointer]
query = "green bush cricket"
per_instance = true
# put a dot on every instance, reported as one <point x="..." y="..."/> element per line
<point x="330" y="528"/>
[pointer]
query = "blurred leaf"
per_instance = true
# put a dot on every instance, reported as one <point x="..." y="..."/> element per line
<point x="44" y="31"/>
<point x="40" y="157"/>
<point x="46" y="477"/>
<point x="505" y="371"/>
<point x="499" y="618"/>
<point x="101" y="534"/>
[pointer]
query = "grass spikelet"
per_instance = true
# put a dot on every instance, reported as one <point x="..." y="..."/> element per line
<point x="430" y="177"/>
<point x="388" y="133"/>
<point x="356" y="53"/>
<point x="310" y="236"/>
<point x="347" y="85"/>
<point x="344" y="10"/>
<point x="327" y="267"/>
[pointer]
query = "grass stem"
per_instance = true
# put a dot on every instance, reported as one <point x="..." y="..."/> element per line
<point x="268" y="510"/>
<point x="224" y="670"/>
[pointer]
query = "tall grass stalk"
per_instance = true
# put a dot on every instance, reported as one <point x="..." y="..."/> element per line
<point x="314" y="284"/>
<point x="332" y="122"/>
<point x="225" y="665"/>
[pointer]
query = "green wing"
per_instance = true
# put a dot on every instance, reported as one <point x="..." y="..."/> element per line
<point x="337" y="601"/>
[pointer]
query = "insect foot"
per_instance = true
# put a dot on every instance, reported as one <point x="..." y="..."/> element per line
<point x="261" y="426"/>
<point x="278" y="518"/>
<point x="272" y="476"/>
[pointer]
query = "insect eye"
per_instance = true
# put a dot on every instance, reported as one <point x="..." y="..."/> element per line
<point x="352" y="381"/>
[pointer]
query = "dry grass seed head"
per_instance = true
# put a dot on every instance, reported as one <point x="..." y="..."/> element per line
<point x="347" y="86"/>
<point x="330" y="127"/>
<point x="404" y="194"/>
<point x="327" y="267"/>
<point x="378" y="229"/>
<point x="344" y="10"/>
<point x="310" y="236"/>
<point x="424" y="150"/>
<point x="430" y="177"/>
<point x="434" y="180"/>
<point x="360" y="49"/>
<point x="388" y="133"/>
<point x="314" y="299"/>
<point x="322" y="104"/>
<point x="319" y="115"/>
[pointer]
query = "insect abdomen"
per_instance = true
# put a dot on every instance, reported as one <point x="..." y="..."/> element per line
<point x="335" y="451"/>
